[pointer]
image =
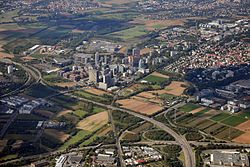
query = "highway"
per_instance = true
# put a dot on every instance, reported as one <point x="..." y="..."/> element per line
<point x="116" y="135"/>
<point x="187" y="149"/>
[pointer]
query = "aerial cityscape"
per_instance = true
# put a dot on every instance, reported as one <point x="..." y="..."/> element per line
<point x="116" y="83"/>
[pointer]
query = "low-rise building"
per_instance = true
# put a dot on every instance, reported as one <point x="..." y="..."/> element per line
<point x="227" y="158"/>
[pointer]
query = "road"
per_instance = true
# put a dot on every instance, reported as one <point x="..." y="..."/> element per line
<point x="45" y="155"/>
<point x="27" y="82"/>
<point x="6" y="126"/>
<point x="187" y="149"/>
<point x="116" y="135"/>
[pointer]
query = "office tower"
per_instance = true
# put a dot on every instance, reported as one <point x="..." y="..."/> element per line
<point x="96" y="58"/>
<point x="136" y="52"/>
<point x="93" y="76"/>
<point x="10" y="69"/>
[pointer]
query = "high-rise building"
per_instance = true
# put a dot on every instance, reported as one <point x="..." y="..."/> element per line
<point x="106" y="59"/>
<point x="97" y="56"/>
<point x="10" y="69"/>
<point x="136" y="52"/>
<point x="141" y="64"/>
<point x="93" y="76"/>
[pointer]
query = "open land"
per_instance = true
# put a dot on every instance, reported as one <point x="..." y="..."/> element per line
<point x="93" y="122"/>
<point x="175" y="88"/>
<point x="159" y="75"/>
<point x="147" y="108"/>
<point x="56" y="134"/>
<point x="95" y="91"/>
<point x="158" y="24"/>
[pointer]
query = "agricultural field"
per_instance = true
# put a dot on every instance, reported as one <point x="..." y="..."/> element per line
<point x="130" y="33"/>
<point x="80" y="113"/>
<point x="117" y="2"/>
<point x="147" y="108"/>
<point x="176" y="88"/>
<point x="220" y="117"/>
<point x="233" y="121"/>
<point x="134" y="89"/>
<point x="95" y="91"/>
<point x="57" y="135"/>
<point x="8" y="16"/>
<point x="189" y="107"/>
<point x="221" y="125"/>
<point x="67" y="84"/>
<point x="74" y="139"/>
<point x="93" y="122"/>
<point x="106" y="99"/>
<point x="158" y="24"/>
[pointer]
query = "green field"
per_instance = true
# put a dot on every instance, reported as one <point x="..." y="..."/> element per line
<point x="155" y="79"/>
<point x="8" y="16"/>
<point x="220" y="117"/>
<point x="168" y="97"/>
<point x="80" y="113"/>
<point x="189" y="107"/>
<point x="234" y="120"/>
<point x="89" y="141"/>
<point x="39" y="91"/>
<point x="98" y="109"/>
<point x="130" y="33"/>
<point x="8" y="157"/>
<point x="54" y="78"/>
<point x="90" y="96"/>
<point x="202" y="112"/>
<point x="74" y="139"/>
<point x="245" y="114"/>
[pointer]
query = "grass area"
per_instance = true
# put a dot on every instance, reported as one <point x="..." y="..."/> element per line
<point x="158" y="135"/>
<point x="54" y="78"/>
<point x="228" y="134"/>
<point x="35" y="25"/>
<point x="155" y="79"/>
<point x="189" y="107"/>
<point x="245" y="114"/>
<point x="25" y="137"/>
<point x="234" y="120"/>
<point x="220" y="126"/>
<point x="158" y="26"/>
<point x="8" y="17"/>
<point x="39" y="91"/>
<point x="71" y="102"/>
<point x="90" y="96"/>
<point x="72" y="118"/>
<point x="130" y="33"/>
<point x="8" y="157"/>
<point x="74" y="139"/>
<point x="17" y="45"/>
<point x="89" y="141"/>
<point x="98" y="109"/>
<point x="220" y="117"/>
<point x="168" y="97"/>
<point x="80" y="113"/>
<point x="118" y="16"/>
<point x="30" y="117"/>
<point x="202" y="112"/>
